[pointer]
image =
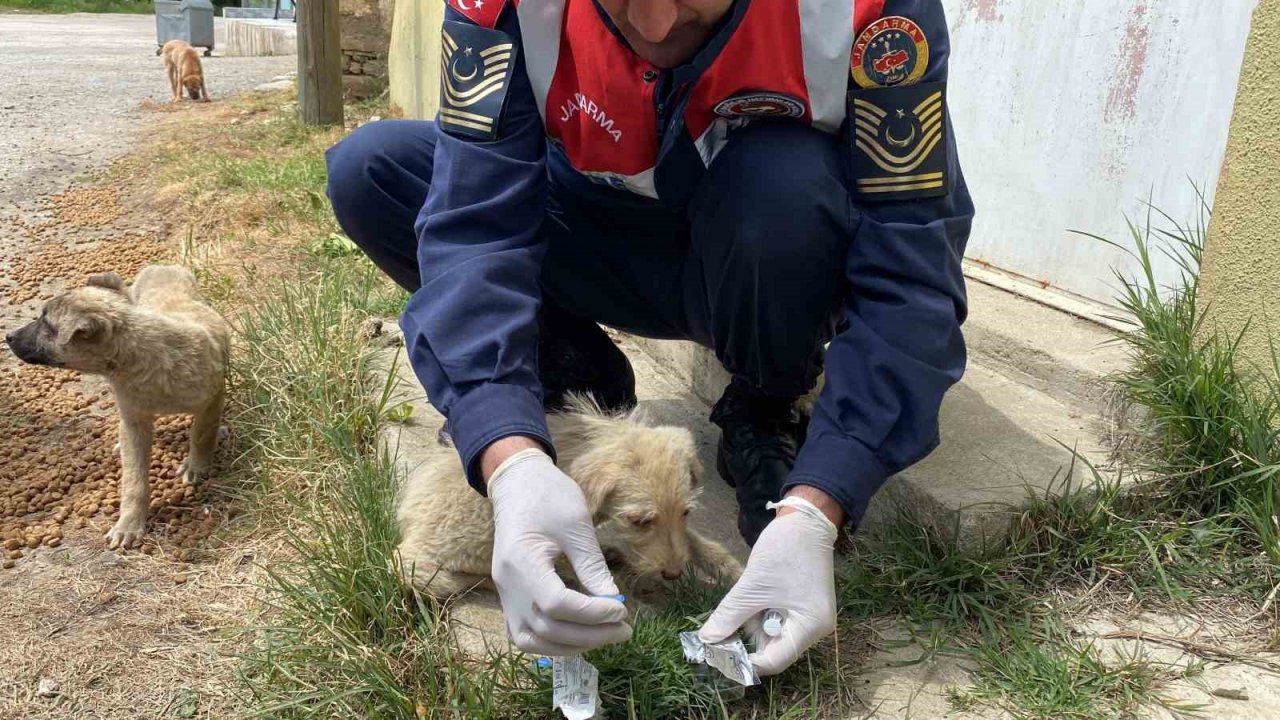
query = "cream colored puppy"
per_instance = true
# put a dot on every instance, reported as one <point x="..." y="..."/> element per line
<point x="639" y="484"/>
<point x="161" y="349"/>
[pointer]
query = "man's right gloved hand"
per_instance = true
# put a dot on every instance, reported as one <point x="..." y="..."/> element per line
<point x="540" y="513"/>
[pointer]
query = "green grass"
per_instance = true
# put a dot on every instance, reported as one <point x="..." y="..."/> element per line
<point x="1051" y="675"/>
<point x="80" y="6"/>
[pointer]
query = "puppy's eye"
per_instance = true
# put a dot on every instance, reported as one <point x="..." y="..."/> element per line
<point x="641" y="521"/>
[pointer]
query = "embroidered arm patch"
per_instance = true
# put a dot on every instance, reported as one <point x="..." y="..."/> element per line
<point x="475" y="73"/>
<point x="900" y="141"/>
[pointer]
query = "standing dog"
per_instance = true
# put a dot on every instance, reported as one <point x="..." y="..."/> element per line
<point x="639" y="484"/>
<point x="160" y="348"/>
<point x="182" y="62"/>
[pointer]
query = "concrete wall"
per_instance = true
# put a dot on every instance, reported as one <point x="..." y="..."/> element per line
<point x="1241" y="278"/>
<point x="255" y="38"/>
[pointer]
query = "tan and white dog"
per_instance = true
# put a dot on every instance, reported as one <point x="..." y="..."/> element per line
<point x="639" y="482"/>
<point x="161" y="349"/>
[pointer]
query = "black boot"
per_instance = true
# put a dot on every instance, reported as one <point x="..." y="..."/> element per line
<point x="762" y="435"/>
<point x="577" y="356"/>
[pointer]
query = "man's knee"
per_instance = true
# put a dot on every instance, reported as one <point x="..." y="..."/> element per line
<point x="777" y="193"/>
<point x="348" y="163"/>
<point x="368" y="168"/>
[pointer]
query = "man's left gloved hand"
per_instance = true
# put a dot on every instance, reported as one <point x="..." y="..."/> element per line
<point x="791" y="569"/>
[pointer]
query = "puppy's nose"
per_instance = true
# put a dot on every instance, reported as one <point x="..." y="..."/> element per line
<point x="672" y="574"/>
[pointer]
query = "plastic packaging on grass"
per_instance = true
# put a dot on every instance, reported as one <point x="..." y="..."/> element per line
<point x="575" y="683"/>
<point x="575" y="686"/>
<point x="729" y="657"/>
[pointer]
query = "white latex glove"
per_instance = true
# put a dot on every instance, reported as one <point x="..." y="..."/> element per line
<point x="539" y="513"/>
<point x="791" y="569"/>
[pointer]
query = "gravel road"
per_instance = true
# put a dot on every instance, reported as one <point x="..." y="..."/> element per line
<point x="71" y="88"/>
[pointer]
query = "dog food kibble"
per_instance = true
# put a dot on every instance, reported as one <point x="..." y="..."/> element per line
<point x="58" y="464"/>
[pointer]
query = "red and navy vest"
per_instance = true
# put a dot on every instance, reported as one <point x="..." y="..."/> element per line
<point x="785" y="59"/>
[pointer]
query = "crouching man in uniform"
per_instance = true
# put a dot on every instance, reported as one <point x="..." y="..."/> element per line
<point x="774" y="180"/>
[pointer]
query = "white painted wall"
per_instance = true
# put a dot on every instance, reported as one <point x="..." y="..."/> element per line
<point x="1071" y="113"/>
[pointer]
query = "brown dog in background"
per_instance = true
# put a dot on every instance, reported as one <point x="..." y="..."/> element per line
<point x="182" y="62"/>
<point x="162" y="350"/>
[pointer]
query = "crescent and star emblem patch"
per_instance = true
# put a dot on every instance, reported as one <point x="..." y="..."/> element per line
<point x="475" y="71"/>
<point x="900" y="141"/>
<point x="890" y="51"/>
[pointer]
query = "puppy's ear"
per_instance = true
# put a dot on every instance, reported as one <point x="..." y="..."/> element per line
<point x="82" y="328"/>
<point x="108" y="280"/>
<point x="598" y="488"/>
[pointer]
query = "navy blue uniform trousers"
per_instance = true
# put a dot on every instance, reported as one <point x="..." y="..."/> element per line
<point x="752" y="268"/>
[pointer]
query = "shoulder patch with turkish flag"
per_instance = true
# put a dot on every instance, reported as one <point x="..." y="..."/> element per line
<point x="481" y="12"/>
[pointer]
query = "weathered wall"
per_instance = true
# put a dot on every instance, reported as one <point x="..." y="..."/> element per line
<point x="1070" y="114"/>
<point x="414" y="71"/>
<point x="366" y="39"/>
<point x="1241" y="278"/>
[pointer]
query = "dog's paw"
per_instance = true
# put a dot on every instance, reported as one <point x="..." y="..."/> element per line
<point x="126" y="533"/>
<point x="192" y="475"/>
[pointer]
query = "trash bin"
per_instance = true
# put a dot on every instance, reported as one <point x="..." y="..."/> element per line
<point x="190" y="20"/>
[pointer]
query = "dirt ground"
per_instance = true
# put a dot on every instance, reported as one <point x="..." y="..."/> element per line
<point x="75" y="87"/>
<point x="84" y="631"/>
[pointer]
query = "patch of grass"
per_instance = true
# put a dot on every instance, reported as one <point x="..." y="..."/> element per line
<point x="1058" y="680"/>
<point x="1212" y="421"/>
<point x="344" y="638"/>
<point x="80" y="6"/>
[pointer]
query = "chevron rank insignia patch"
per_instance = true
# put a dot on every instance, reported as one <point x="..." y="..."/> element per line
<point x="475" y="72"/>
<point x="900" y="141"/>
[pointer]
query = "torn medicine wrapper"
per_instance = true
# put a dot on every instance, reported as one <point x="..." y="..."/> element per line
<point x="729" y="657"/>
<point x="574" y="687"/>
